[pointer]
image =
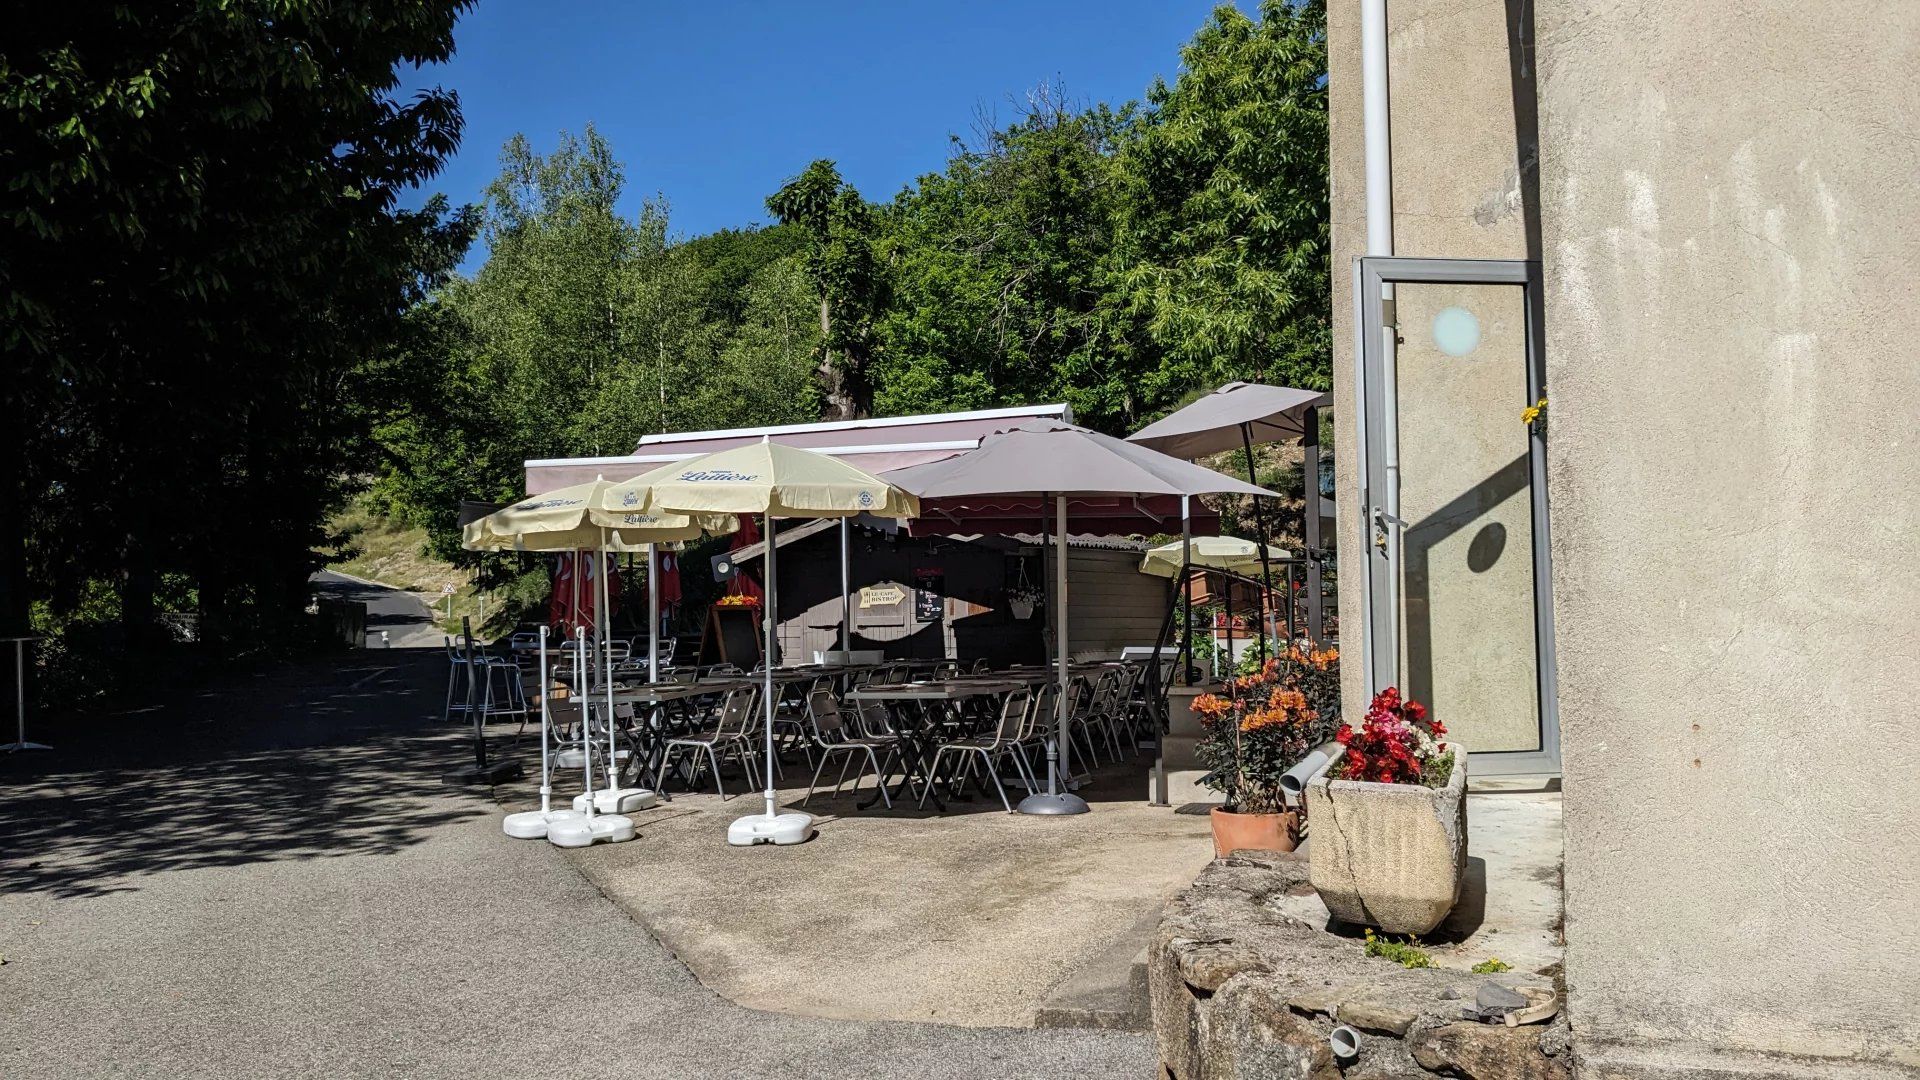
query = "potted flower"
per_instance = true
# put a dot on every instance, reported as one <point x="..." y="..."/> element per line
<point x="1249" y="738"/>
<point x="1023" y="598"/>
<point x="1398" y="793"/>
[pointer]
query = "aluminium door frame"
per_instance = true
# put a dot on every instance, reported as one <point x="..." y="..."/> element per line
<point x="1373" y="278"/>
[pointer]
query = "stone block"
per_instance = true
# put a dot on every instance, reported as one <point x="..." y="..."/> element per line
<point x="1389" y="855"/>
<point x="1486" y="1052"/>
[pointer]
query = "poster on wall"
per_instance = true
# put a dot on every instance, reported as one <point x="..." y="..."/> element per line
<point x="929" y="593"/>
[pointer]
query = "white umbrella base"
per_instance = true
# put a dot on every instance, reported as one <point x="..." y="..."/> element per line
<point x="780" y="829"/>
<point x="584" y="831"/>
<point x="617" y="800"/>
<point x="1052" y="804"/>
<point x="532" y="824"/>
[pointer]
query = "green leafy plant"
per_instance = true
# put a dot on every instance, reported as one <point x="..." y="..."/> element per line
<point x="1262" y="727"/>
<point x="1407" y="954"/>
<point x="1491" y="965"/>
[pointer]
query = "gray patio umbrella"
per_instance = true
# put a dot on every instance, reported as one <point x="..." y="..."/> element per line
<point x="1234" y="417"/>
<point x="1057" y="460"/>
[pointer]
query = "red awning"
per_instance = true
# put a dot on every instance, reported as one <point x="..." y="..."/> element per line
<point x="1087" y="515"/>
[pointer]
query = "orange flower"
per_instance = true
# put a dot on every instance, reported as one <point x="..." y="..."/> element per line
<point x="1211" y="706"/>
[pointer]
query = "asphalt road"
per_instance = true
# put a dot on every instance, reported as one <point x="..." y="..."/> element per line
<point x="266" y="879"/>
<point x="404" y="616"/>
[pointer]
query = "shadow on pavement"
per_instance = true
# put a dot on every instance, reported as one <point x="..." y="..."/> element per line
<point x="321" y="758"/>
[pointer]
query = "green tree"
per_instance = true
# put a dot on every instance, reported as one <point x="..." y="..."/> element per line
<point x="847" y="276"/>
<point x="1225" y="233"/>
<point x="585" y="330"/>
<point x="203" y="274"/>
<point x="999" y="266"/>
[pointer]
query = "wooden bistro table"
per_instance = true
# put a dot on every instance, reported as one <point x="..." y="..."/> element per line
<point x="913" y="731"/>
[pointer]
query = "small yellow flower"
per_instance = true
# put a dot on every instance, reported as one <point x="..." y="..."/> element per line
<point x="1534" y="411"/>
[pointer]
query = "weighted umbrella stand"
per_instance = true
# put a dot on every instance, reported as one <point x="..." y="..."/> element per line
<point x="481" y="771"/>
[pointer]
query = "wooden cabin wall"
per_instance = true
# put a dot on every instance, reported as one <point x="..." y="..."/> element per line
<point x="978" y="620"/>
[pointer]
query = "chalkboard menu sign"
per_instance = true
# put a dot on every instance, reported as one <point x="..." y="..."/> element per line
<point x="929" y="594"/>
<point x="732" y="637"/>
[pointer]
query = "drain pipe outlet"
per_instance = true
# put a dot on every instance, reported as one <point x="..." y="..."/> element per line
<point x="1318" y="760"/>
<point x="1346" y="1045"/>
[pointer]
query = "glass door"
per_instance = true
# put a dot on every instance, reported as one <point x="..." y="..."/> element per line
<point x="1459" y="607"/>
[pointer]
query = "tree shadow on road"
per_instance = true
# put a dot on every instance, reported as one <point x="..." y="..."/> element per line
<point x="322" y="759"/>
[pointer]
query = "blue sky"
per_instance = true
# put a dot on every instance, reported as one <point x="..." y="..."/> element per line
<point x="714" y="104"/>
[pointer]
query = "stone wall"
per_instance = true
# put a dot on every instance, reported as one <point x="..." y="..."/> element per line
<point x="1241" y="991"/>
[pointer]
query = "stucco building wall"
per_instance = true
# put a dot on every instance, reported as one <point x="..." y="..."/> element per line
<point x="1727" y="211"/>
<point x="1732" y="250"/>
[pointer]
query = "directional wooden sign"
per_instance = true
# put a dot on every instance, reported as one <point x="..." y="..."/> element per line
<point x="882" y="596"/>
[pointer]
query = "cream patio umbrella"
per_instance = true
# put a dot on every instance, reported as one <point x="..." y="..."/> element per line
<point x="564" y="520"/>
<point x="1229" y="553"/>
<point x="773" y="480"/>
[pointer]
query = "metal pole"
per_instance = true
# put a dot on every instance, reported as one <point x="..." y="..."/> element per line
<point x="1186" y="585"/>
<point x="546" y="769"/>
<point x="771" y="615"/>
<point x="1260" y="520"/>
<point x="1376" y="128"/>
<point x="846" y="591"/>
<point x="473" y="706"/>
<point x="1226" y="587"/>
<point x="653" y="614"/>
<point x="1060" y="637"/>
<point x="1310" y="527"/>
<point x="606" y="647"/>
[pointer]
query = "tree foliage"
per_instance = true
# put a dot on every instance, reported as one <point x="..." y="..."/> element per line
<point x="847" y="276"/>
<point x="205" y="278"/>
<point x="1226" y="224"/>
<point x="584" y="331"/>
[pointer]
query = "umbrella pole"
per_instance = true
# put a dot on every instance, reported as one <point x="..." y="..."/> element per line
<point x="605" y="620"/>
<point x="771" y="827"/>
<point x="772" y="617"/>
<point x="546" y="770"/>
<point x="590" y="826"/>
<point x="653" y="614"/>
<point x="1056" y="801"/>
<point x="846" y="592"/>
<point x="1186" y="586"/>
<point x="1260" y="521"/>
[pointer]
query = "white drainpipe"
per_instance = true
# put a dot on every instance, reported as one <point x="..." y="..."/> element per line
<point x="1376" y="126"/>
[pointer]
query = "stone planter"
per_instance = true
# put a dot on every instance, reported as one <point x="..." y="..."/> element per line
<point x="1390" y="856"/>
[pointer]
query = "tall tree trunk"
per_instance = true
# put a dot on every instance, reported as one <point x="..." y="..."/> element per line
<point x="136" y="590"/>
<point x="835" y="402"/>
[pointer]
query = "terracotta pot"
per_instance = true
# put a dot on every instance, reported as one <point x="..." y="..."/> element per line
<point x="1261" y="832"/>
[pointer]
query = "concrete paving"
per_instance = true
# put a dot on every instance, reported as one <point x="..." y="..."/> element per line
<point x="265" y="879"/>
<point x="971" y="917"/>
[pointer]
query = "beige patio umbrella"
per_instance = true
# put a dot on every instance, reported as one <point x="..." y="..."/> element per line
<point x="760" y="478"/>
<point x="773" y="480"/>
<point x="1212" y="552"/>
<point x="531" y="524"/>
<point x="565" y="520"/>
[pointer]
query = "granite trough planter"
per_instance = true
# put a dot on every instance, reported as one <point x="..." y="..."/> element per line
<point x="1390" y="856"/>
